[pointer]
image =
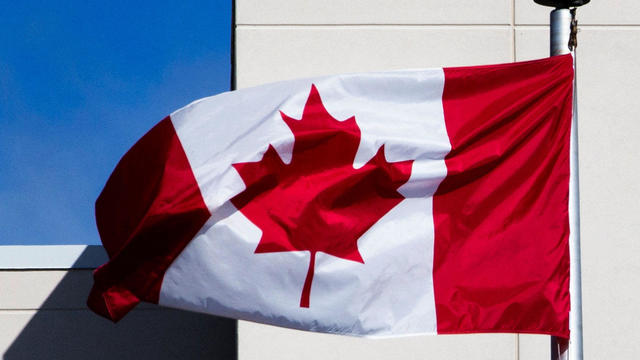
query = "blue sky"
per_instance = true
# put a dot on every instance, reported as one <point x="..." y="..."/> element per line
<point x="80" y="82"/>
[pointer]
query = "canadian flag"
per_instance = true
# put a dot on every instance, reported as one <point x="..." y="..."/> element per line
<point x="378" y="204"/>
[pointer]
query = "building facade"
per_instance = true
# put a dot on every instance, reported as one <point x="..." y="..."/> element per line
<point x="42" y="311"/>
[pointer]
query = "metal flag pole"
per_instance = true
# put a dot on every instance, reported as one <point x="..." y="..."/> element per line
<point x="563" y="40"/>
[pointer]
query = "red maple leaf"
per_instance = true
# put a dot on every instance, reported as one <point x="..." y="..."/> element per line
<point x="318" y="202"/>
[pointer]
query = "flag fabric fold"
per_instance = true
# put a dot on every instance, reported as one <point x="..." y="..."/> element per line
<point x="377" y="204"/>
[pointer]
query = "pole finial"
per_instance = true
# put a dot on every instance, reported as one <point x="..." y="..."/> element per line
<point x="562" y="4"/>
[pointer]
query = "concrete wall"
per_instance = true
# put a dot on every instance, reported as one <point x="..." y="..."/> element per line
<point x="43" y="315"/>
<point x="43" y="289"/>
<point x="283" y="39"/>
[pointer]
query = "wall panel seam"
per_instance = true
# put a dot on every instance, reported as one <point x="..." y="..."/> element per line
<point x="513" y="30"/>
<point x="71" y="309"/>
<point x="590" y="26"/>
<point x="431" y="26"/>
<point x="437" y="26"/>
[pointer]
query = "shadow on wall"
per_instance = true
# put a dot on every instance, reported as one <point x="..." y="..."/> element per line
<point x="64" y="328"/>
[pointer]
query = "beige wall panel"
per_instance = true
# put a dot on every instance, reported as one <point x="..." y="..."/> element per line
<point x="532" y="43"/>
<point x="257" y="341"/>
<point x="43" y="316"/>
<point x="279" y="53"/>
<point x="46" y="289"/>
<point x="373" y="12"/>
<point x="147" y="334"/>
<point x="610" y="190"/>
<point x="534" y="347"/>
<point x="30" y="289"/>
<point x="609" y="186"/>
<point x="11" y="324"/>
<point x="597" y="12"/>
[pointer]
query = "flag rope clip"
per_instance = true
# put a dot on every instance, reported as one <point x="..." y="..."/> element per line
<point x="573" y="37"/>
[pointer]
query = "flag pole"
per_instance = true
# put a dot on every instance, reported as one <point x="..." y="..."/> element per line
<point x="563" y="40"/>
